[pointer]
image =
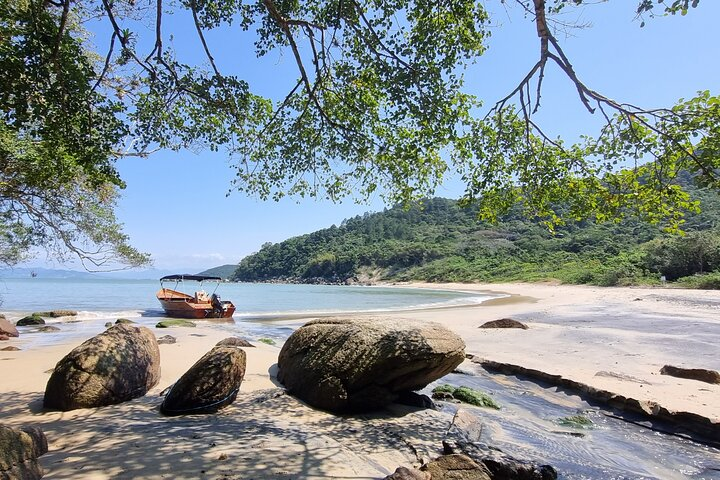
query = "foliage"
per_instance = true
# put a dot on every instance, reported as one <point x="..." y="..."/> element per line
<point x="441" y="242"/>
<point x="378" y="105"/>
<point x="58" y="185"/>
<point x="707" y="281"/>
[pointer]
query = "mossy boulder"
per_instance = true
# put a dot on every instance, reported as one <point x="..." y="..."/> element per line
<point x="57" y="313"/>
<point x="123" y="321"/>
<point x="174" y="323"/>
<point x="30" y="320"/>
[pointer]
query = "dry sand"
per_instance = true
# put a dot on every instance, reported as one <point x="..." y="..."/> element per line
<point x="612" y="338"/>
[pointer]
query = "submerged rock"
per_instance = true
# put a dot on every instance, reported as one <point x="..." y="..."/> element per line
<point x="700" y="374"/>
<point x="8" y="329"/>
<point x="117" y="365"/>
<point x="209" y="385"/>
<point x="124" y="321"/>
<point x="57" y="313"/>
<point x="504" y="323"/>
<point x="48" y="328"/>
<point x="10" y="348"/>
<point x="465" y="395"/>
<point x="19" y="450"/>
<point x="346" y="365"/>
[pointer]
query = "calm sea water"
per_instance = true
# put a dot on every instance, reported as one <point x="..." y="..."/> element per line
<point x="137" y="297"/>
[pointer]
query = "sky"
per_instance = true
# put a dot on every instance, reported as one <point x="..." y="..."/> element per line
<point x="176" y="205"/>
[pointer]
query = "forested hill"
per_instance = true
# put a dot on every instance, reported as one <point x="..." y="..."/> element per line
<point x="442" y="242"/>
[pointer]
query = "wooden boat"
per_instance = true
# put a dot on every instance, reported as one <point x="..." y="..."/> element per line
<point x="200" y="305"/>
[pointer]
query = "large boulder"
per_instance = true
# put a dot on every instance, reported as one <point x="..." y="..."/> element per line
<point x="344" y="365"/>
<point x="117" y="365"/>
<point x="7" y="328"/>
<point x="211" y="384"/>
<point x="19" y="450"/>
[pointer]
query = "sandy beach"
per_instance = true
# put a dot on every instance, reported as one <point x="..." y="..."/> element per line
<point x="615" y="339"/>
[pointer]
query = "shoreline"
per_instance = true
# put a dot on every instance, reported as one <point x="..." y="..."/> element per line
<point x="611" y="339"/>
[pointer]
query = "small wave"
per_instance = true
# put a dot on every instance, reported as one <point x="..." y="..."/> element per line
<point x="96" y="314"/>
<point x="453" y="303"/>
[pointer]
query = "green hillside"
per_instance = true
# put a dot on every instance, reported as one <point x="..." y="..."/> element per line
<point x="223" y="271"/>
<point x="442" y="242"/>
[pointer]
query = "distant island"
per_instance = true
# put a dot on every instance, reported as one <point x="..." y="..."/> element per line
<point x="441" y="242"/>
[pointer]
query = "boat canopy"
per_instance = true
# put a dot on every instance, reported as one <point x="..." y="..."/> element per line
<point x="184" y="276"/>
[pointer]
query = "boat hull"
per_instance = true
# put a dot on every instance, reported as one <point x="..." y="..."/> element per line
<point x="180" y="305"/>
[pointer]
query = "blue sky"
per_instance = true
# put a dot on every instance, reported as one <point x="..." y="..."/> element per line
<point x="175" y="205"/>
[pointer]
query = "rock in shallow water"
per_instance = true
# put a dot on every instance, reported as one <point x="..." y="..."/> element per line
<point x="117" y="365"/>
<point x="344" y="365"/>
<point x="211" y="384"/>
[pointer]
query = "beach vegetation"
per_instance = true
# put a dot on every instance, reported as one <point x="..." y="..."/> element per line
<point x="378" y="105"/>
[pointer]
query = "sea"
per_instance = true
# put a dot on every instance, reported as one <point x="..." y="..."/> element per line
<point x="260" y="307"/>
<point x="129" y="298"/>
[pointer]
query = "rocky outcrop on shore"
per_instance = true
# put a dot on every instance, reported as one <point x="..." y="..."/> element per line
<point x="117" y="365"/>
<point x="7" y="329"/>
<point x="210" y="384"/>
<point x="346" y="365"/>
<point x="19" y="452"/>
<point x="699" y="374"/>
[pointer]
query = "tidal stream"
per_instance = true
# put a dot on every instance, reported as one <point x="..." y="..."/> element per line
<point x="528" y="426"/>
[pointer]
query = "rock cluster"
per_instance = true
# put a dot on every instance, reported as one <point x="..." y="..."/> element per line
<point x="344" y="365"/>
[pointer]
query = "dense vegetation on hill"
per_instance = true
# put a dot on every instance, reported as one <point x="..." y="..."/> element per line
<point x="442" y="242"/>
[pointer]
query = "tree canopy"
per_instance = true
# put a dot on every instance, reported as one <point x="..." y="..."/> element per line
<point x="58" y="184"/>
<point x="379" y="104"/>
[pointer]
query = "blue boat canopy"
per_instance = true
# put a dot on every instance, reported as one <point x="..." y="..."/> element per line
<point x="185" y="276"/>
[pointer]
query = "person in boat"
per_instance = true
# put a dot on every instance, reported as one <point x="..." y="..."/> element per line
<point x="217" y="305"/>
